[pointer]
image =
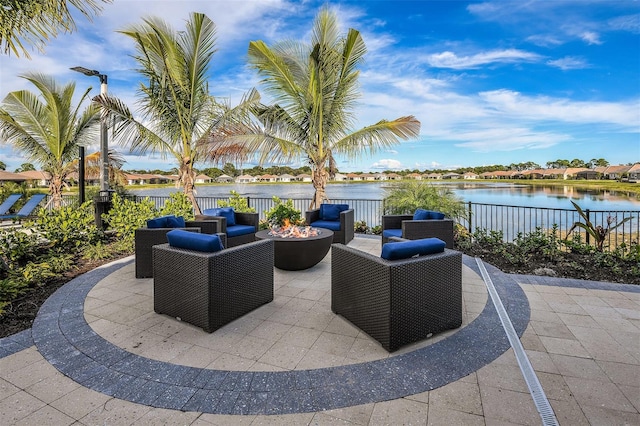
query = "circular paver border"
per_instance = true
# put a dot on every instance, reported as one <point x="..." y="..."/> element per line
<point x="63" y="337"/>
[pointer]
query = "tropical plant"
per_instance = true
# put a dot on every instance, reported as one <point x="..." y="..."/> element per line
<point x="125" y="216"/>
<point x="178" y="205"/>
<point x="283" y="213"/>
<point x="598" y="232"/>
<point x="68" y="228"/>
<point x="47" y="128"/>
<point x="32" y="22"/>
<point x="239" y="203"/>
<point x="315" y="88"/>
<point x="176" y="108"/>
<point x="407" y="196"/>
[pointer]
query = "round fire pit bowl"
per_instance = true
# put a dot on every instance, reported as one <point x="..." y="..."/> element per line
<point x="294" y="254"/>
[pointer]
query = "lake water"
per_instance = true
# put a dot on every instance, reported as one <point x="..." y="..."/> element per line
<point x="475" y="192"/>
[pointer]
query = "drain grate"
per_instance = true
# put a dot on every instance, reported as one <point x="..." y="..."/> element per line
<point x="537" y="393"/>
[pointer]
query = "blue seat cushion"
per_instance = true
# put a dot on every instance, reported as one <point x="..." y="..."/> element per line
<point x="407" y="249"/>
<point x="332" y="211"/>
<point x="226" y="212"/>
<point x="422" y="214"/>
<point x="194" y="241"/>
<point x="236" y="230"/>
<point x="388" y="233"/>
<point x="327" y="224"/>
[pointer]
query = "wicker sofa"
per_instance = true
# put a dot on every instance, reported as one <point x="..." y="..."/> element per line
<point x="415" y="229"/>
<point x="210" y="290"/>
<point x="242" y="219"/>
<point x="397" y="302"/>
<point x="343" y="227"/>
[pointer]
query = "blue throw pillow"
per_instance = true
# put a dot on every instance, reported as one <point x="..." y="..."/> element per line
<point x="176" y="222"/>
<point x="407" y="249"/>
<point x="437" y="215"/>
<point x="421" y="214"/>
<point x="332" y="211"/>
<point x="226" y="212"/>
<point x="194" y="240"/>
<point x="329" y="212"/>
<point x="158" y="222"/>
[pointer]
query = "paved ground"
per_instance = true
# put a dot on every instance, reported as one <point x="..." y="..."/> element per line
<point x="98" y="354"/>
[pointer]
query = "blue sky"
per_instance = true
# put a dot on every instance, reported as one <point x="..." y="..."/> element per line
<point x="495" y="82"/>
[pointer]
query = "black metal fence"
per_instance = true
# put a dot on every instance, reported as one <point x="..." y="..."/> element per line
<point x="510" y="220"/>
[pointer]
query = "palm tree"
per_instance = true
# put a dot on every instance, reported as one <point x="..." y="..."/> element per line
<point x="315" y="88"/>
<point x="47" y="128"/>
<point x="176" y="108"/>
<point x="32" y="22"/>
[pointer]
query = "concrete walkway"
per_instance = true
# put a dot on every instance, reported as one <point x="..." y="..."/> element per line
<point x="98" y="354"/>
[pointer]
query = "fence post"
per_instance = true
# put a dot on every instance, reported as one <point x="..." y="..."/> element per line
<point x="470" y="226"/>
<point x="588" y="220"/>
<point x="248" y="201"/>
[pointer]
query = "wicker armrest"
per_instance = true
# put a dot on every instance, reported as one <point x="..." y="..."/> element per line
<point x="222" y="221"/>
<point x="145" y="239"/>
<point x="438" y="228"/>
<point x="207" y="226"/>
<point x="312" y="216"/>
<point x="250" y="219"/>
<point x="394" y="221"/>
<point x="347" y="224"/>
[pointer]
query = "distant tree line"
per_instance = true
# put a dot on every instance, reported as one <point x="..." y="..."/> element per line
<point x="230" y="169"/>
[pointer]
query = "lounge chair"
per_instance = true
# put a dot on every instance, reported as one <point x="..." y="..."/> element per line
<point x="211" y="289"/>
<point x="337" y="217"/>
<point x="8" y="203"/>
<point x="421" y="224"/>
<point x="398" y="301"/>
<point x="28" y="208"/>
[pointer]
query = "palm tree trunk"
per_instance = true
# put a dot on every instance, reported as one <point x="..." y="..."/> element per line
<point x="55" y="188"/>
<point x="319" y="177"/>
<point x="187" y="180"/>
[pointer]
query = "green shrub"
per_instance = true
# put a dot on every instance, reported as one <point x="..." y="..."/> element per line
<point x="17" y="246"/>
<point x="68" y="228"/>
<point x="125" y="216"/>
<point x="239" y="203"/>
<point x="280" y="212"/>
<point x="361" y="227"/>
<point x="179" y="205"/>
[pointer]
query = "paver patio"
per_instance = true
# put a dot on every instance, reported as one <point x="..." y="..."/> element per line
<point x="98" y="354"/>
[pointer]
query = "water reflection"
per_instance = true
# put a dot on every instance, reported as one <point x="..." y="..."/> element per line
<point x="476" y="192"/>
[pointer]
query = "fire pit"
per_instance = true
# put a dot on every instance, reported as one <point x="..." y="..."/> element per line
<point x="298" y="247"/>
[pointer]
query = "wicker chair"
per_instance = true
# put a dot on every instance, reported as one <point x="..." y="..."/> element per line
<point x="145" y="239"/>
<point x="210" y="290"/>
<point x="417" y="229"/>
<point x="342" y="235"/>
<point x="397" y="302"/>
<point x="249" y="219"/>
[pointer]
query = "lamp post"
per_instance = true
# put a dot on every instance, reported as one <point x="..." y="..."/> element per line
<point x="103" y="202"/>
<point x="104" y="144"/>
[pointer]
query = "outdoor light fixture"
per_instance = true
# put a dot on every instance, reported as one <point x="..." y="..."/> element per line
<point x="104" y="144"/>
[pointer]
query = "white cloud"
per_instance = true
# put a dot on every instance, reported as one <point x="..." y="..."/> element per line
<point x="451" y="60"/>
<point x="568" y="63"/>
<point x="392" y="151"/>
<point x="387" y="164"/>
<point x="544" y="40"/>
<point x="625" y="115"/>
<point x="591" y="37"/>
